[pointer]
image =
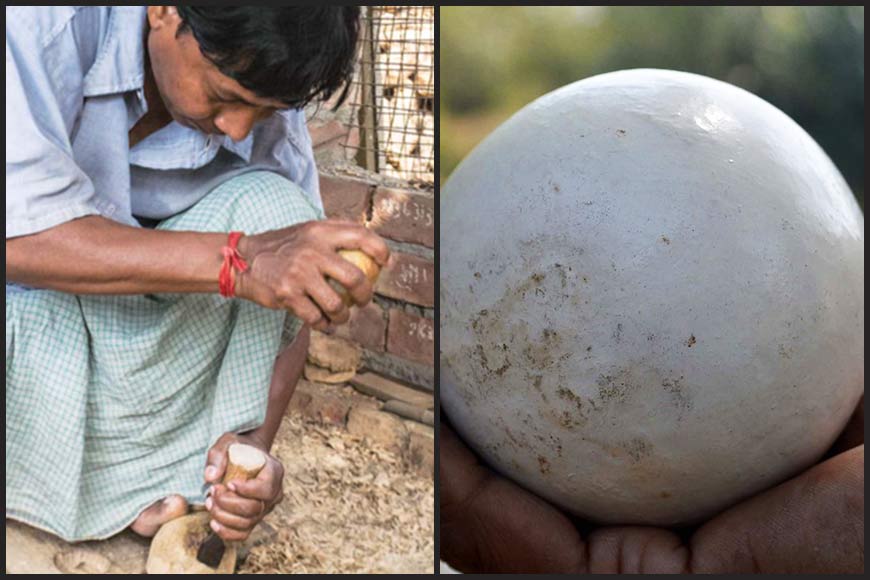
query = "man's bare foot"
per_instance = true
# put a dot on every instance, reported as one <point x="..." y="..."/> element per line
<point x="157" y="514"/>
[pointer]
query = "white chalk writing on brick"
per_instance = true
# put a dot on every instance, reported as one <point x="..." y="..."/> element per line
<point x="393" y="208"/>
<point x="411" y="275"/>
<point x="423" y="330"/>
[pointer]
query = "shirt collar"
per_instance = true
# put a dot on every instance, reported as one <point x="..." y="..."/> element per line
<point x="178" y="147"/>
<point x="120" y="62"/>
<point x="242" y="148"/>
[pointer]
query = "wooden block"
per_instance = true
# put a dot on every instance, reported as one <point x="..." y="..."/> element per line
<point x="409" y="411"/>
<point x="386" y="390"/>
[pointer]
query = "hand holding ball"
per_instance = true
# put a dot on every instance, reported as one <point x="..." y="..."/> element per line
<point x="365" y="263"/>
<point x="652" y="298"/>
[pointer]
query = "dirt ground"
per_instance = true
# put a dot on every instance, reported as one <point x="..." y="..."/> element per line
<point x="351" y="506"/>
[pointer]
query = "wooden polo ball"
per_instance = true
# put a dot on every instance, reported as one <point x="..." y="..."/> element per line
<point x="362" y="261"/>
<point x="652" y="298"/>
<point x="173" y="550"/>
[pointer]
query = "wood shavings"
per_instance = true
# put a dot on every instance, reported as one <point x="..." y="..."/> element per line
<point x="350" y="507"/>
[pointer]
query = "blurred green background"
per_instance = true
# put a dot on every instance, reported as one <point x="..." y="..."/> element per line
<point x="808" y="61"/>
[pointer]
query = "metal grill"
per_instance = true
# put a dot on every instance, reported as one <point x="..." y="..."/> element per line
<point x="395" y="93"/>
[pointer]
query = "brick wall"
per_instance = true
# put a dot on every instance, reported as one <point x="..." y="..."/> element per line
<point x="397" y="329"/>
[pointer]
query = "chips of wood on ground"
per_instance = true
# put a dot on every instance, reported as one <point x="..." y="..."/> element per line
<point x="351" y="506"/>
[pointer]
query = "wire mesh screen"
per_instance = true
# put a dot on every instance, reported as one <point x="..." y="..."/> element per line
<point x="395" y="93"/>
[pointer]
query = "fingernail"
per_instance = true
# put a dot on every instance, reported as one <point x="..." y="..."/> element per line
<point x="208" y="503"/>
<point x="232" y="487"/>
<point x="167" y="501"/>
<point x="215" y="526"/>
<point x="210" y="472"/>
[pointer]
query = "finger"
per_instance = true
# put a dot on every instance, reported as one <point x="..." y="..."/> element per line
<point x="229" y="534"/>
<point x="636" y="550"/>
<point x="351" y="236"/>
<point x="239" y="506"/>
<point x="213" y="491"/>
<point x="216" y="459"/>
<point x="329" y="302"/>
<point x="307" y="311"/>
<point x="234" y="521"/>
<point x="813" y="523"/>
<point x="478" y="533"/>
<point x="377" y="248"/>
<point x="461" y="473"/>
<point x="533" y="525"/>
<point x="266" y="486"/>
<point x="351" y="278"/>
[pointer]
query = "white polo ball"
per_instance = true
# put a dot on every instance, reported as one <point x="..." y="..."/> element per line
<point x="652" y="298"/>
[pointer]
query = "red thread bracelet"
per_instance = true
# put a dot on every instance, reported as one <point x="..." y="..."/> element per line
<point x="232" y="260"/>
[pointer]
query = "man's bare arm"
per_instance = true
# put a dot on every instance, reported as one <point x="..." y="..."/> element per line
<point x="94" y="255"/>
<point x="288" y="270"/>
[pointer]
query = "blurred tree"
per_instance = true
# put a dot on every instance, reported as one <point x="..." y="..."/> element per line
<point x="808" y="61"/>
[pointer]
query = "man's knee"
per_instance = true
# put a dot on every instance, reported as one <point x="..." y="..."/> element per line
<point x="261" y="200"/>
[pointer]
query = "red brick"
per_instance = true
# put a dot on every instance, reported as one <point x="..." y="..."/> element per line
<point x="411" y="337"/>
<point x="367" y="327"/>
<point x="325" y="133"/>
<point x="404" y="216"/>
<point x="408" y="278"/>
<point x="345" y="198"/>
<point x="351" y="142"/>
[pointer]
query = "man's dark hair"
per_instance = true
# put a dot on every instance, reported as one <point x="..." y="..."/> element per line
<point x="292" y="54"/>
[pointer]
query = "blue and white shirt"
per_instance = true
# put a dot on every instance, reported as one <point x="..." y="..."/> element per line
<point x="74" y="89"/>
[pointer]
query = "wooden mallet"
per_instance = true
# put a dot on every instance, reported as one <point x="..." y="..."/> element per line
<point x="243" y="463"/>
